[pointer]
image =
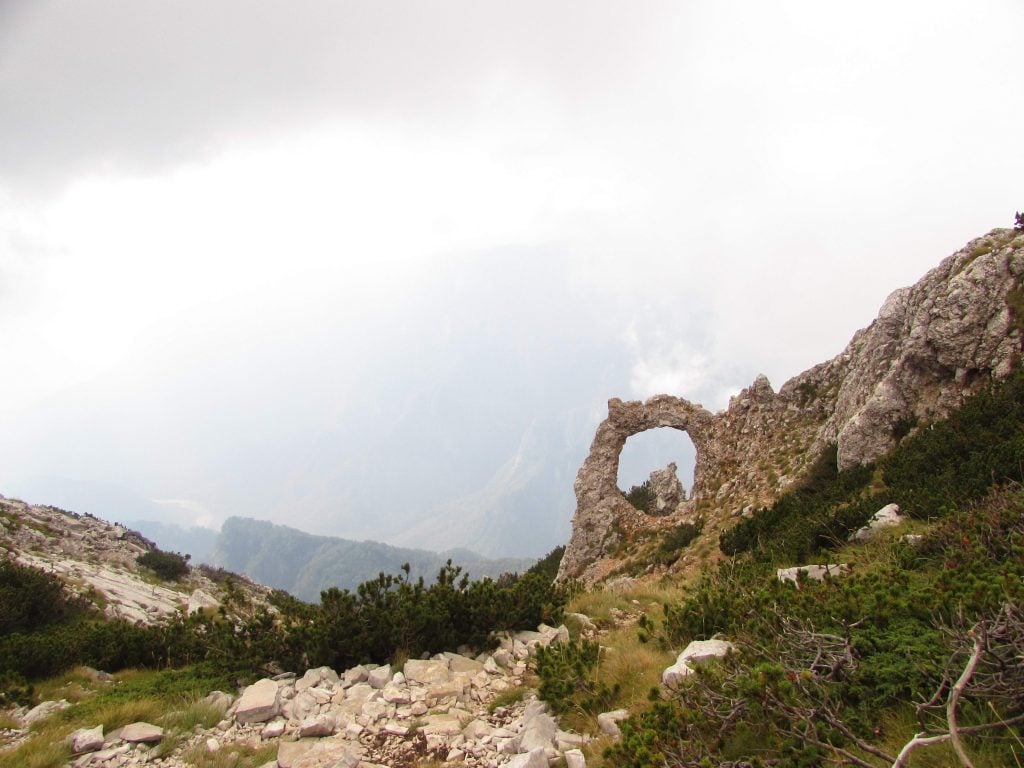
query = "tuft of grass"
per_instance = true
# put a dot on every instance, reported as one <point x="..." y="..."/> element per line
<point x="75" y="685"/>
<point x="507" y="698"/>
<point x="7" y="722"/>
<point x="200" y="713"/>
<point x="231" y="756"/>
<point x="37" y="753"/>
<point x="165" y="697"/>
<point x="899" y="727"/>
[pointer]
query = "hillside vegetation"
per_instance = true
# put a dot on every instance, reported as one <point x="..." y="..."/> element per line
<point x="923" y="637"/>
<point x="46" y="631"/>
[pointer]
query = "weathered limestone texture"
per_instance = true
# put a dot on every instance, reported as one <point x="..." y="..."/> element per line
<point x="668" y="491"/>
<point x="931" y="345"/>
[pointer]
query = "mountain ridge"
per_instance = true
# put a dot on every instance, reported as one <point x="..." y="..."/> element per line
<point x="305" y="564"/>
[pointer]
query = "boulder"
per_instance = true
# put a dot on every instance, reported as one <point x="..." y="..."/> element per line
<point x="378" y="677"/>
<point x="428" y="672"/>
<point x="539" y="728"/>
<point x="141" y="733"/>
<point x="259" y="702"/>
<point x="574" y="759"/>
<point x="218" y="700"/>
<point x="668" y="491"/>
<point x="608" y="722"/>
<point x="289" y="752"/>
<point x="812" y="572"/>
<point x="301" y="707"/>
<point x="583" y="620"/>
<point x="355" y="675"/>
<point x="273" y="730"/>
<point x="697" y="653"/>
<point x="887" y="517"/>
<point x="459" y="664"/>
<point x="536" y="758"/>
<point x="477" y="729"/>
<point x="43" y="711"/>
<point x="321" y="725"/>
<point x="396" y="694"/>
<point x="86" y="740"/>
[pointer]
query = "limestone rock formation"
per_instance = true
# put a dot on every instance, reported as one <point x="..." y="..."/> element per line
<point x="668" y="491"/>
<point x="931" y="345"/>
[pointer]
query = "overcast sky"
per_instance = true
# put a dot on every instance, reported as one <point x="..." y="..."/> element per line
<point x="244" y="243"/>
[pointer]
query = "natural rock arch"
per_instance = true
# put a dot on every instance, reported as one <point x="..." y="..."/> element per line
<point x="599" y="501"/>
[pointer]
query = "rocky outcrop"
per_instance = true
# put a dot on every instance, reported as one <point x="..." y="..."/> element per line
<point x="599" y="502"/>
<point x="668" y="491"/>
<point x="931" y="345"/>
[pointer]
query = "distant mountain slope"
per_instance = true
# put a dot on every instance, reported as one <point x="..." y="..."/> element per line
<point x="305" y="565"/>
<point x="195" y="541"/>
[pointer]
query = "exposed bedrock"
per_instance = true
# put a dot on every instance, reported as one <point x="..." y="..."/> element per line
<point x="931" y="345"/>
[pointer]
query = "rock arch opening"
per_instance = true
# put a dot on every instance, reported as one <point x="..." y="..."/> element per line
<point x="664" y="459"/>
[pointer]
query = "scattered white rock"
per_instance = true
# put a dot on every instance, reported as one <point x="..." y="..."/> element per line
<point x="273" y="730"/>
<point x="536" y="758"/>
<point x="574" y="759"/>
<point x="141" y="733"/>
<point x="43" y="711"/>
<point x="86" y="740"/>
<point x="887" y="517"/>
<point x="697" y="653"/>
<point x="321" y="725"/>
<point x="259" y="702"/>
<point x="200" y="600"/>
<point x="539" y="728"/>
<point x="812" y="572"/>
<point x="608" y="722"/>
<point x="378" y="677"/>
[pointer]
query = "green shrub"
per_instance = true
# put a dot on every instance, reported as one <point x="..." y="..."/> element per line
<point x="567" y="681"/>
<point x="31" y="599"/>
<point x="547" y="566"/>
<point x="678" y="539"/>
<point x="169" y="566"/>
<point x="642" y="497"/>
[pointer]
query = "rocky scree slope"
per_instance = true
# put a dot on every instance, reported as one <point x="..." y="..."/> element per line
<point x="931" y="345"/>
<point x="445" y="709"/>
<point x="96" y="559"/>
